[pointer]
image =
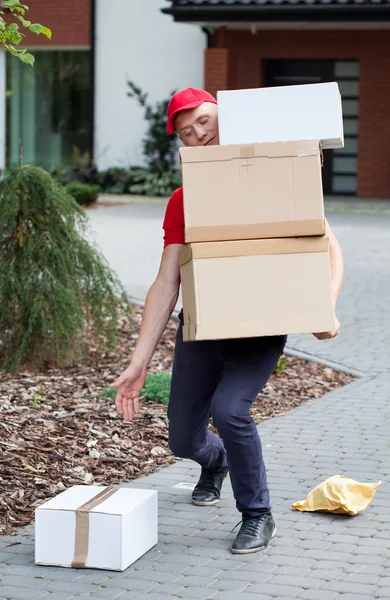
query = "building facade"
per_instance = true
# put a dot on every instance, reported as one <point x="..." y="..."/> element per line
<point x="281" y="42"/>
<point x="74" y="100"/>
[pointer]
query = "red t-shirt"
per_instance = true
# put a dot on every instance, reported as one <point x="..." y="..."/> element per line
<point x="173" y="224"/>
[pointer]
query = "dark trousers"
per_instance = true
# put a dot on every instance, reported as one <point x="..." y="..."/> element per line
<point x="222" y="378"/>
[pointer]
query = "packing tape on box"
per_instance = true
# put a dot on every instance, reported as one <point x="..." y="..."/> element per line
<point x="248" y="151"/>
<point x="81" y="544"/>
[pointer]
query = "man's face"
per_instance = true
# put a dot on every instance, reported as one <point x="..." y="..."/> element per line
<point x="198" y="126"/>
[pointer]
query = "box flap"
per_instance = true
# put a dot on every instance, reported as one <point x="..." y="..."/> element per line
<point x="242" y="151"/>
<point x="247" y="231"/>
<point x="253" y="247"/>
<point x="72" y="498"/>
<point x="120" y="503"/>
<point x="123" y="501"/>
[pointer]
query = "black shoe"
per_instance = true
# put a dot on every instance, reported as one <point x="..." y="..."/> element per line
<point x="254" y="534"/>
<point x="207" y="491"/>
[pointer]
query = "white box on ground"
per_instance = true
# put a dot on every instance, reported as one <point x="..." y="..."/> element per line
<point x="282" y="114"/>
<point x="96" y="527"/>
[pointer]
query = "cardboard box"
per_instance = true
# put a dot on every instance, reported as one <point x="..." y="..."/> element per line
<point x="96" y="527"/>
<point x="256" y="288"/>
<point x="284" y="113"/>
<point x="252" y="191"/>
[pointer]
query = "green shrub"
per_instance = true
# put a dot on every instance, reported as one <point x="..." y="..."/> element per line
<point x="109" y="393"/>
<point x="56" y="289"/>
<point x="156" y="389"/>
<point x="116" y="180"/>
<point x="83" y="193"/>
<point x="281" y="366"/>
<point x="80" y="168"/>
<point x="155" y="184"/>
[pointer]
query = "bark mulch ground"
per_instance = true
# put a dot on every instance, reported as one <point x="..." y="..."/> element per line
<point x="56" y="431"/>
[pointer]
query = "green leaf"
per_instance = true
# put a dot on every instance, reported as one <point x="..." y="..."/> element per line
<point x="281" y="366"/>
<point x="36" y="28"/>
<point x="23" y="21"/>
<point x="15" y="37"/>
<point x="10" y="49"/>
<point x="108" y="393"/>
<point x="13" y="27"/>
<point x="157" y="387"/>
<point x="27" y="58"/>
<point x="11" y="4"/>
<point x="47" y="32"/>
<point x="15" y="5"/>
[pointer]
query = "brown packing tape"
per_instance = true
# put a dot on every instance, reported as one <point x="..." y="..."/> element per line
<point x="254" y="247"/>
<point x="280" y="229"/>
<point x="81" y="545"/>
<point x="247" y="151"/>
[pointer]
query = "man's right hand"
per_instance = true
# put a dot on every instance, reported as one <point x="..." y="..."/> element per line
<point x="129" y="386"/>
<point x="159" y="304"/>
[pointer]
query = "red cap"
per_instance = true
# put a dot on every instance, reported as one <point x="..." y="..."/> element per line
<point x="185" y="100"/>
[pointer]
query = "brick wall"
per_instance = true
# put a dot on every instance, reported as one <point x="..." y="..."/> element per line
<point x="69" y="21"/>
<point x="216" y="69"/>
<point x="243" y="68"/>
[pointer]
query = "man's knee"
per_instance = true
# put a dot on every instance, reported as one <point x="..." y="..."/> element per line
<point x="180" y="445"/>
<point x="230" y="419"/>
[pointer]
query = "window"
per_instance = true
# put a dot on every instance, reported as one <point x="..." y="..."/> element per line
<point x="49" y="107"/>
<point x="340" y="168"/>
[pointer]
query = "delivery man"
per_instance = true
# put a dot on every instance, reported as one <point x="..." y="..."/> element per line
<point x="217" y="377"/>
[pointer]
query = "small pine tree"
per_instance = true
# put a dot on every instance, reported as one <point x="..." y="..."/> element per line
<point x="55" y="287"/>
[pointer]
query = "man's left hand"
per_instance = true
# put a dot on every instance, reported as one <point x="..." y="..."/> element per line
<point x="328" y="335"/>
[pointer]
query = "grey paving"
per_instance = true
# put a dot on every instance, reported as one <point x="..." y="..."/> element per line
<point x="314" y="556"/>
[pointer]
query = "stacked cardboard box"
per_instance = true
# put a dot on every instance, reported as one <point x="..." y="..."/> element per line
<point x="257" y="258"/>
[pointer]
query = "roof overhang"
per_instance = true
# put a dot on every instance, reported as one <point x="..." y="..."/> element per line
<point x="211" y="15"/>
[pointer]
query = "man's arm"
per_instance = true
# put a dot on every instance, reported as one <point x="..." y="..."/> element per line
<point x="160" y="303"/>
<point x="337" y="276"/>
<point x="336" y="264"/>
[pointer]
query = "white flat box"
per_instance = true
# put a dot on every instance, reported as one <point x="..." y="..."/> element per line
<point x="282" y="114"/>
<point x="112" y="535"/>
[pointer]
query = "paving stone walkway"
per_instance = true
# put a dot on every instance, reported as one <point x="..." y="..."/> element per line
<point x="313" y="556"/>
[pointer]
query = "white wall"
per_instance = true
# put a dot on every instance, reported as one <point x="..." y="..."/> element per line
<point x="135" y="40"/>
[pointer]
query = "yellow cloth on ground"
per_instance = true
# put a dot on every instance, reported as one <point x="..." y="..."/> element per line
<point x="339" y="495"/>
